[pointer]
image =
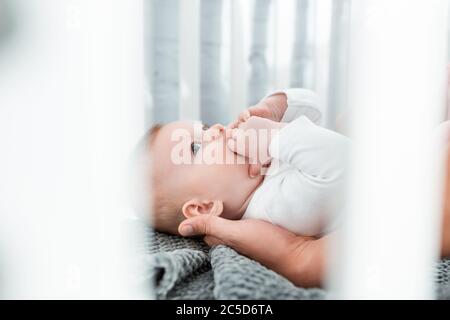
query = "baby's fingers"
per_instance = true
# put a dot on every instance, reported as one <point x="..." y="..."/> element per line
<point x="237" y="147"/>
<point x="238" y="142"/>
<point x="233" y="125"/>
<point x="243" y="116"/>
<point x="254" y="170"/>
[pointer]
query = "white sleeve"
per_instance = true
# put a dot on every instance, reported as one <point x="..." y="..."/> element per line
<point x="301" y="102"/>
<point x="318" y="153"/>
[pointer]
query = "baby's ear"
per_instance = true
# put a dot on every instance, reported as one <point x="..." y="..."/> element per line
<point x="196" y="207"/>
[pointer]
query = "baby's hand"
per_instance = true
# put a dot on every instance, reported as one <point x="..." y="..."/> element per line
<point x="272" y="108"/>
<point x="252" y="139"/>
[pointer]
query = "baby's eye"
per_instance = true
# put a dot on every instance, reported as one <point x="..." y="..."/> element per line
<point x="195" y="146"/>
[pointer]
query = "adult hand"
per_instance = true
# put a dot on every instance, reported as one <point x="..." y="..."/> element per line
<point x="299" y="259"/>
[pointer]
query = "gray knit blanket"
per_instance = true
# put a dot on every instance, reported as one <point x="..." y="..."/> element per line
<point x="182" y="268"/>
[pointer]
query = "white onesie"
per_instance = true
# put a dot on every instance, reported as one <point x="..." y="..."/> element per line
<point x="303" y="190"/>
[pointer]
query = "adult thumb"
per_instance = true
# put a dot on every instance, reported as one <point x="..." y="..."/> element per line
<point x="215" y="230"/>
<point x="205" y="224"/>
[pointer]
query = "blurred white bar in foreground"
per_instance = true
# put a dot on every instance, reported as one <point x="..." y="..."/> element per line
<point x="284" y="21"/>
<point x="71" y="109"/>
<point x="397" y="95"/>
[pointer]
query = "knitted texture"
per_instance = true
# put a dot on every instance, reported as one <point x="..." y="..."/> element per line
<point x="187" y="269"/>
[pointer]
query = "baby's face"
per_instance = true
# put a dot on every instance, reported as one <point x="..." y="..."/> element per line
<point x="197" y="160"/>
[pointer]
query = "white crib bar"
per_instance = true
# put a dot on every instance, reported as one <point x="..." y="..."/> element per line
<point x="338" y="65"/>
<point x="284" y="11"/>
<point x="397" y="92"/>
<point x="189" y="59"/>
<point x="302" y="59"/>
<point x="239" y="61"/>
<point x="78" y="128"/>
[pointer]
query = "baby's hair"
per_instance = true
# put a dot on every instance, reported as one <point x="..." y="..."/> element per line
<point x="148" y="138"/>
<point x="154" y="203"/>
<point x="141" y="174"/>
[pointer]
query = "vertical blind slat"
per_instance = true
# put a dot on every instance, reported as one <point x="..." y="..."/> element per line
<point x="283" y="46"/>
<point x="259" y="69"/>
<point x="337" y="87"/>
<point x="189" y="59"/>
<point x="302" y="59"/>
<point x="213" y="106"/>
<point x="164" y="66"/>
<point x="238" y="77"/>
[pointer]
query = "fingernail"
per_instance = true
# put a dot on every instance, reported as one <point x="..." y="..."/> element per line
<point x="187" y="230"/>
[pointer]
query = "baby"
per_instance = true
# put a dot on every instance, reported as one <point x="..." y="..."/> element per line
<point x="198" y="170"/>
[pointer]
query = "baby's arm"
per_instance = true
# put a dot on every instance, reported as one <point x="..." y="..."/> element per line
<point x="308" y="194"/>
<point x="318" y="153"/>
<point x="310" y="198"/>
<point x="284" y="106"/>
